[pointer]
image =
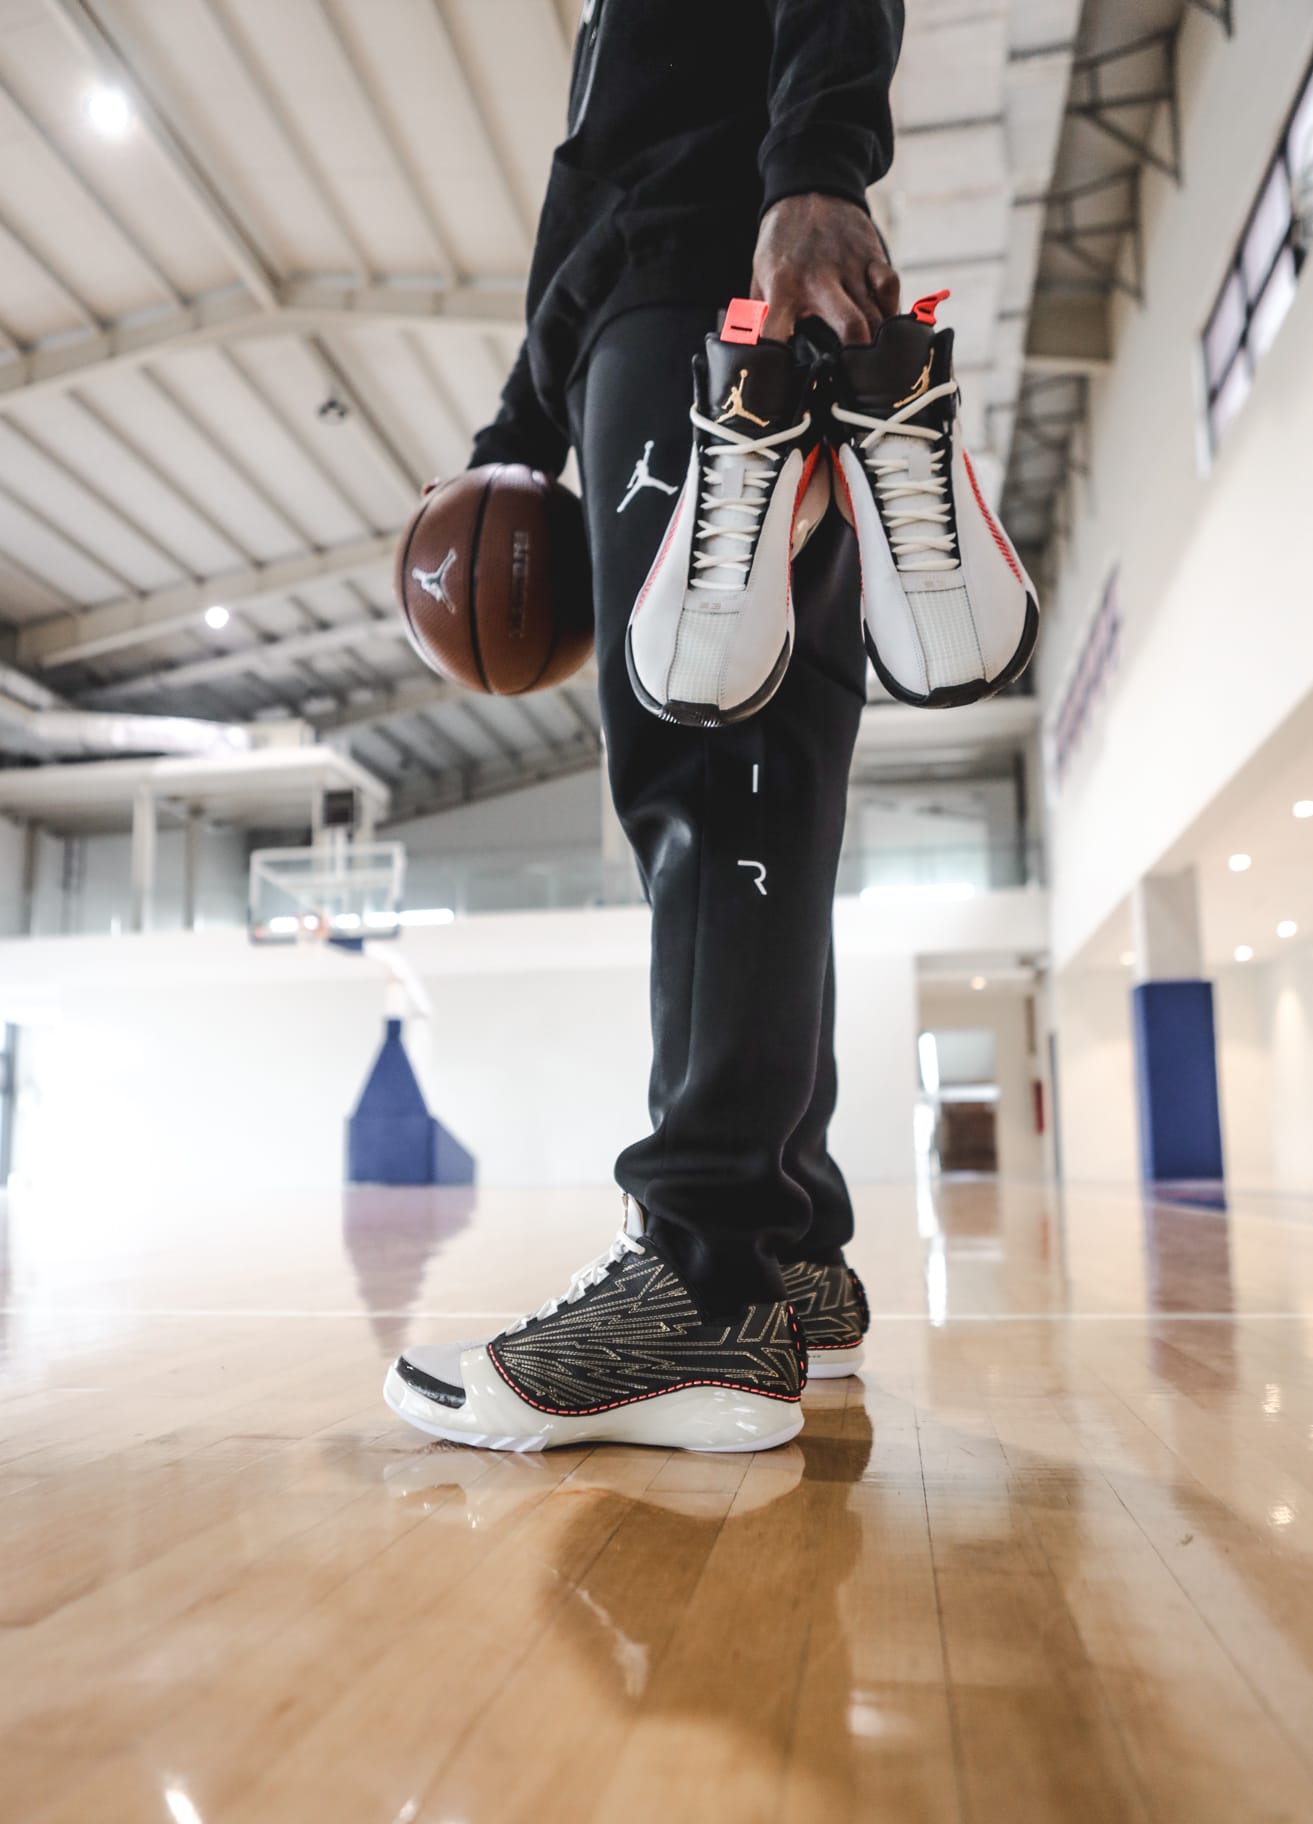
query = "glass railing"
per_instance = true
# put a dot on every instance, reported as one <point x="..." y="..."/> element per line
<point x="469" y="884"/>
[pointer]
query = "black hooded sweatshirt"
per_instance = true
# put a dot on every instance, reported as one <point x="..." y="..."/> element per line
<point x="687" y="120"/>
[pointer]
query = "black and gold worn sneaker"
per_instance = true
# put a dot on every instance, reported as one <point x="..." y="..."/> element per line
<point x="830" y="1304"/>
<point x="624" y="1356"/>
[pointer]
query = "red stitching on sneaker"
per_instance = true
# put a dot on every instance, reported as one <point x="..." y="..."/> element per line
<point x="1000" y="537"/>
<point x="665" y="546"/>
<point x="585" y="1412"/>
<point x="800" y="1346"/>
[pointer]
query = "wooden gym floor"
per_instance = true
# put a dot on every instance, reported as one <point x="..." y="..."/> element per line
<point x="1047" y="1560"/>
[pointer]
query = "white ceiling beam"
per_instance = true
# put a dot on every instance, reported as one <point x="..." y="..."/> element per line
<point x="303" y="153"/>
<point x="289" y="649"/>
<point x="485" y="303"/>
<point x="96" y="559"/>
<point x="68" y="639"/>
<point x="127" y="343"/>
<point x="399" y="467"/>
<point x="229" y="232"/>
<point x="243" y="780"/>
<point x="74" y="299"/>
<point x="307" y="307"/>
<point x="380" y="114"/>
<point x="83" y="482"/>
<point x="292" y="429"/>
<point x="227" y="450"/>
<point x="406" y="699"/>
<point x="587" y="675"/>
<point x="163" y="284"/>
<point x="166" y="475"/>
<point x="495" y="144"/>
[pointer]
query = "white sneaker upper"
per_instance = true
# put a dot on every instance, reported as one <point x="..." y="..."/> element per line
<point x="712" y="629"/>
<point x="950" y="613"/>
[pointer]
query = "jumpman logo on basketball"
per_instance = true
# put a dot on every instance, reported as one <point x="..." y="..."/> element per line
<point x="434" y="582"/>
<point x="734" y="406"/>
<point x="643" y="477"/>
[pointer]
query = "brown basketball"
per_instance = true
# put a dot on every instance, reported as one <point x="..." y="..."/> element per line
<point x="493" y="580"/>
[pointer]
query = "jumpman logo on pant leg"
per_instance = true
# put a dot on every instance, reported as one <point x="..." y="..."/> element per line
<point x="643" y="477"/>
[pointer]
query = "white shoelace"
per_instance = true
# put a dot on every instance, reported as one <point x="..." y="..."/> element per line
<point x="908" y="500"/>
<point x="715" y="539"/>
<point x="591" y="1275"/>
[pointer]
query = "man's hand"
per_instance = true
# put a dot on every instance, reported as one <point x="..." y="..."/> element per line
<point x="820" y="257"/>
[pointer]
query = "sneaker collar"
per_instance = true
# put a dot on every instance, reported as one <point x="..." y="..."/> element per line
<point x="635" y="1222"/>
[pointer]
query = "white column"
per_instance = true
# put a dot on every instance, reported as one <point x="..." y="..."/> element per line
<point x="29" y="881"/>
<point x="191" y="865"/>
<point x="1165" y="914"/>
<point x="143" y="858"/>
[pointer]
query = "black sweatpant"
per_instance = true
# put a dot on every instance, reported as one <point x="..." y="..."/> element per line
<point x="737" y="833"/>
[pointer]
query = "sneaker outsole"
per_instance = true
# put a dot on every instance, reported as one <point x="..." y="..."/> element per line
<point x="957" y="696"/>
<point x="704" y="715"/>
<point x="664" y="1422"/>
<point x="833" y="1364"/>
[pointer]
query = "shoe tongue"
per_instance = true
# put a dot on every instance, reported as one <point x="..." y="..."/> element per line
<point x="635" y="1222"/>
<point x="747" y="383"/>
<point x="899" y="364"/>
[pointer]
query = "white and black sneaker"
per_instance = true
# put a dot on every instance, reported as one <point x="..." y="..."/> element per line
<point x="711" y="633"/>
<point x="624" y="1356"/>
<point x="950" y="614"/>
<point x="830" y="1305"/>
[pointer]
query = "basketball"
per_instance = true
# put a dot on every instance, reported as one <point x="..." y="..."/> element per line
<point x="493" y="581"/>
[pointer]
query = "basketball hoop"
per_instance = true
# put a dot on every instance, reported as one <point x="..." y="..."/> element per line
<point x="334" y="891"/>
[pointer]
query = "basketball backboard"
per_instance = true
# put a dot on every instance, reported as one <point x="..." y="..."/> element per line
<point x="335" y="889"/>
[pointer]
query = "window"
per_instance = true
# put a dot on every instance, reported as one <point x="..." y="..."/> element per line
<point x="1085" y="688"/>
<point x="1259" y="287"/>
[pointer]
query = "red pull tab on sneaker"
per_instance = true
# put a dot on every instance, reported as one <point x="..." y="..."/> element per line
<point x="924" y="309"/>
<point x="743" y="320"/>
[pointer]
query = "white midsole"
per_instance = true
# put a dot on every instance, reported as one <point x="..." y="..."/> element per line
<point x="692" y="1418"/>
<point x="830" y="1364"/>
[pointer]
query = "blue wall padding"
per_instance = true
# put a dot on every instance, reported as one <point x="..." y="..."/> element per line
<point x="1176" y="1081"/>
<point x="391" y="1138"/>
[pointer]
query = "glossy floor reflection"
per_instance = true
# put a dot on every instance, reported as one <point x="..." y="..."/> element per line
<point x="1047" y="1560"/>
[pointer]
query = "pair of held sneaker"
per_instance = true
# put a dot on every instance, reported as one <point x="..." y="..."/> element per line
<point x="949" y="613"/>
<point x="625" y="1356"/>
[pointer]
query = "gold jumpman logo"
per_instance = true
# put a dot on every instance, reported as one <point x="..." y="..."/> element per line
<point x="734" y="406"/>
<point x="923" y="382"/>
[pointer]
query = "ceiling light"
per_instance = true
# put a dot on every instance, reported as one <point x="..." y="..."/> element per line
<point x="1128" y="959"/>
<point x="1304" y="808"/>
<point x="1287" y="928"/>
<point x="1244" y="953"/>
<point x="108" y="110"/>
<point x="216" y="617"/>
<point x="1239" y="863"/>
<point x="977" y="982"/>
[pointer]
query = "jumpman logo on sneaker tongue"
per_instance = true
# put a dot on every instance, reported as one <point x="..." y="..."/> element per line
<point x="643" y="477"/>
<point x="923" y="382"/>
<point x="734" y="406"/>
